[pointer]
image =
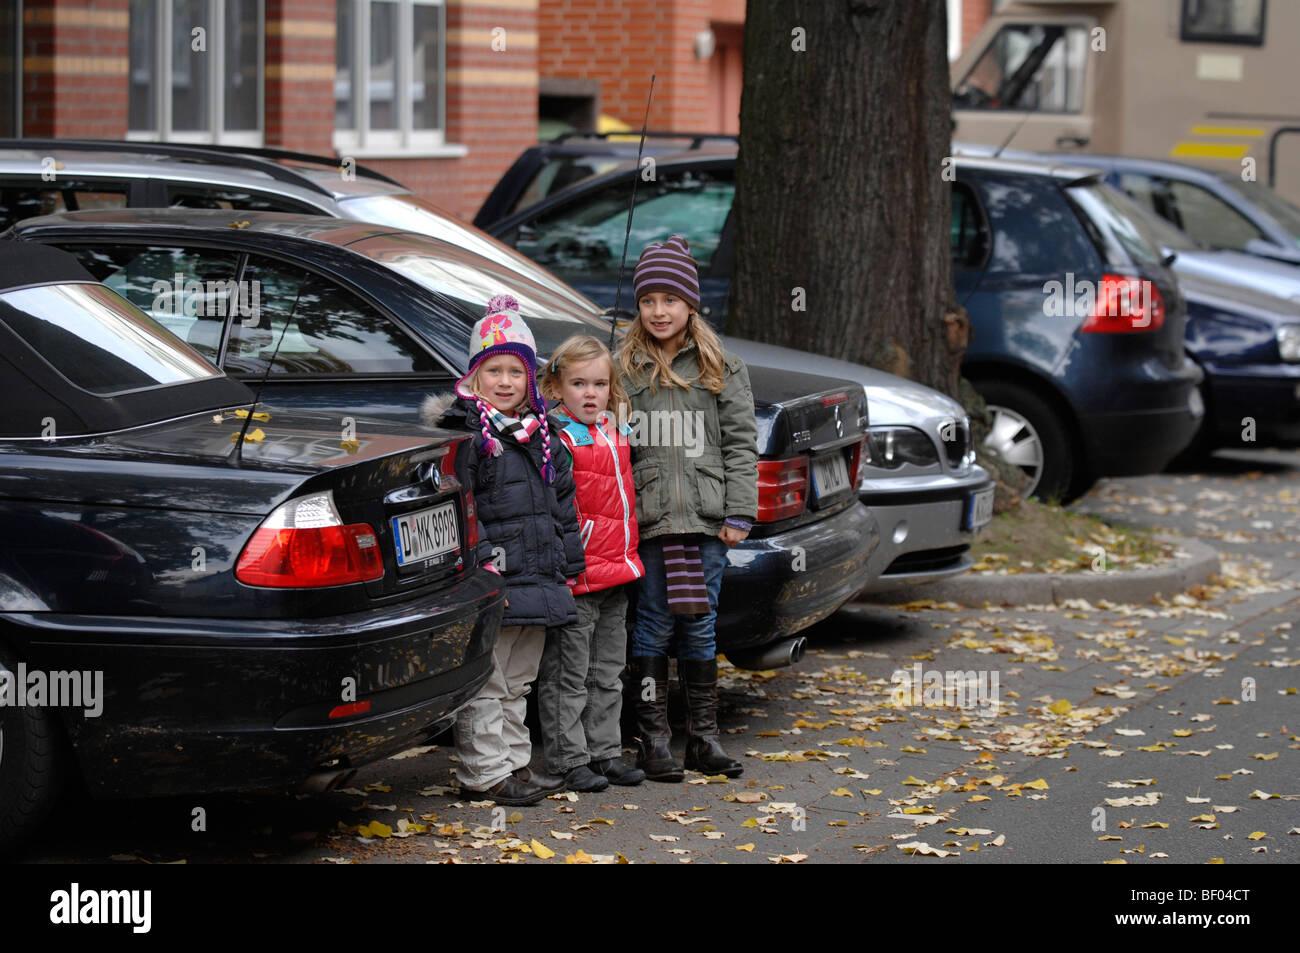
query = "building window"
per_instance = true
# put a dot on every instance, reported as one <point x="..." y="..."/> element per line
<point x="1223" y="21"/>
<point x="196" y="69"/>
<point x="389" y="77"/>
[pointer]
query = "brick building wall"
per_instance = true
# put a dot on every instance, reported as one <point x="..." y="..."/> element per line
<point x="620" y="44"/>
<point x="75" y="68"/>
<point x="974" y="14"/>
<point x="299" y="84"/>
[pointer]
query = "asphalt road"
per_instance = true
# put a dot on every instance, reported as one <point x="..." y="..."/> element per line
<point x="1154" y="734"/>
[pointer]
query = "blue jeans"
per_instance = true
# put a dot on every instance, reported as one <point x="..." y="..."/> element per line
<point x="654" y="626"/>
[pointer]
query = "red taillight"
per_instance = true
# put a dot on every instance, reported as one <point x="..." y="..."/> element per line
<point x="304" y="544"/>
<point x="855" y="460"/>
<point x="782" y="488"/>
<point x="1126" y="305"/>
<point x="350" y="709"/>
<point x="448" y="467"/>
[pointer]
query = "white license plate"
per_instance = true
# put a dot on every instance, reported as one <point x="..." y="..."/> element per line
<point x="425" y="534"/>
<point x="980" y="510"/>
<point x="830" y="475"/>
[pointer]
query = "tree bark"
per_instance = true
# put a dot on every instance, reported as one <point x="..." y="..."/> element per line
<point x="843" y="197"/>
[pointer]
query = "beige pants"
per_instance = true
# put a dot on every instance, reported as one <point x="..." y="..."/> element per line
<point x="491" y="739"/>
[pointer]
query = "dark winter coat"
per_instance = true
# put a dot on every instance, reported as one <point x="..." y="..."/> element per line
<point x="531" y="528"/>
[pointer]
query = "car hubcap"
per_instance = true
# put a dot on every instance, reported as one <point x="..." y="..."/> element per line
<point x="1016" y="441"/>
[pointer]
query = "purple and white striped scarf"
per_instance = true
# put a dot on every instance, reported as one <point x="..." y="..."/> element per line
<point x="687" y="593"/>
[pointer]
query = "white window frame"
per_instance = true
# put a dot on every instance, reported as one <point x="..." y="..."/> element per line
<point x="359" y="139"/>
<point x="216" y="50"/>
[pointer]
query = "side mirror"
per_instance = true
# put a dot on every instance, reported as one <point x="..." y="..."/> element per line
<point x="621" y="316"/>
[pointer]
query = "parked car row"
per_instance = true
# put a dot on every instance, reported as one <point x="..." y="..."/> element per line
<point x="214" y="447"/>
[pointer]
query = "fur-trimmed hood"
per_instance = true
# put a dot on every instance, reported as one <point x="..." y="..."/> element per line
<point x="437" y="410"/>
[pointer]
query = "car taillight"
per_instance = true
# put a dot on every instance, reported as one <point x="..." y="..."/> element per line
<point x="448" y="466"/>
<point x="855" y="461"/>
<point x="1126" y="305"/>
<point x="782" y="488"/>
<point x="304" y="544"/>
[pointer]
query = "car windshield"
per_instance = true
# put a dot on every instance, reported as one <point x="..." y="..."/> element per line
<point x="413" y="214"/>
<point x="1286" y="214"/>
<point x="98" y="340"/>
<point x="469" y="281"/>
<point x="1124" y="232"/>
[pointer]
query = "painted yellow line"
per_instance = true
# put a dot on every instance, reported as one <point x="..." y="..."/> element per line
<point x="1248" y="131"/>
<point x="1209" y="150"/>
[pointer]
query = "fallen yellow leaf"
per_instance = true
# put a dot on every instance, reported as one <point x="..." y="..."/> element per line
<point x="542" y="851"/>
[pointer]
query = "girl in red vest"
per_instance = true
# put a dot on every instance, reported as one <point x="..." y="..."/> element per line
<point x="579" y="692"/>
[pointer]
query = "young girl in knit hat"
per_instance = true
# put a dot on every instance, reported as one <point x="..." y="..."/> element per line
<point x="693" y="501"/>
<point x="523" y="493"/>
<point x="579" y="688"/>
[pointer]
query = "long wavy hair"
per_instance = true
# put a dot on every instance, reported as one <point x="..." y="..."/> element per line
<point x="579" y="349"/>
<point x="640" y="347"/>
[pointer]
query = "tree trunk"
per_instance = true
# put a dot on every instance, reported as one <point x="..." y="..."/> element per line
<point x="843" y="196"/>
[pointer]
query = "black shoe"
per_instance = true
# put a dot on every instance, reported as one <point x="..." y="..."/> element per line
<point x="654" y="757"/>
<point x="550" y="783"/>
<point x="617" y="772"/>
<point x="582" y="778"/>
<point x="699" y="678"/>
<point x="510" y="790"/>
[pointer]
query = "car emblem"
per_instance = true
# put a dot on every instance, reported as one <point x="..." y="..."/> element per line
<point x="432" y="475"/>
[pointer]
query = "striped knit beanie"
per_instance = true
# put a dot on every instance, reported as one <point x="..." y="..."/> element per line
<point x="668" y="267"/>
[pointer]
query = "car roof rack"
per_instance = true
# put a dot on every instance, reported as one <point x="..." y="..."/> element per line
<point x="256" y="158"/>
<point x="697" y="138"/>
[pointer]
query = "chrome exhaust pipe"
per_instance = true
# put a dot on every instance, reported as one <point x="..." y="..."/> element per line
<point x="323" y="781"/>
<point x="776" y="655"/>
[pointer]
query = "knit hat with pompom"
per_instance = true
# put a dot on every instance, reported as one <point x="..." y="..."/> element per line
<point x="503" y="331"/>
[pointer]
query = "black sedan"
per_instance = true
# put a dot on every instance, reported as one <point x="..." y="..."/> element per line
<point x="356" y="319"/>
<point x="201" y="592"/>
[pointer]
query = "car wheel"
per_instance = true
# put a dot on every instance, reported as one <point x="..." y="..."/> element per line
<point x="1028" y="433"/>
<point x="30" y="763"/>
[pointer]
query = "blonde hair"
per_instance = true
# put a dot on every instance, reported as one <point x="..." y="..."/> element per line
<point x="639" y="347"/>
<point x="579" y="349"/>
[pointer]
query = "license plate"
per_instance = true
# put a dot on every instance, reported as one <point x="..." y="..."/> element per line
<point x="830" y="475"/>
<point x="425" y="534"/>
<point x="979" y="512"/>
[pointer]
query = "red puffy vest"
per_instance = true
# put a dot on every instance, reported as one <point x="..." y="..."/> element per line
<point x="605" y="501"/>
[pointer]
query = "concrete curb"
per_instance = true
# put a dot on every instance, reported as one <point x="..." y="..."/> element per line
<point x="1194" y="564"/>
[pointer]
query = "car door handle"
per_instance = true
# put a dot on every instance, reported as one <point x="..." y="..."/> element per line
<point x="1076" y="141"/>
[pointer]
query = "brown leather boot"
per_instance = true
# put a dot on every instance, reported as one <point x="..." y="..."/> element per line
<point x="699" y="678"/>
<point x="654" y="756"/>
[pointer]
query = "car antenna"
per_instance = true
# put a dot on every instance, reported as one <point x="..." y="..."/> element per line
<point x="627" y="234"/>
<point x="257" y="392"/>
<point x="1014" y="132"/>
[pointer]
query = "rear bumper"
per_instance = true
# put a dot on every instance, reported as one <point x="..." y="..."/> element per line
<point x="777" y="585"/>
<point x="194" y="705"/>
<point x="1137" y="442"/>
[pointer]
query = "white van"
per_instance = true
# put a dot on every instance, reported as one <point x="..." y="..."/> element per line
<point x="1212" y="82"/>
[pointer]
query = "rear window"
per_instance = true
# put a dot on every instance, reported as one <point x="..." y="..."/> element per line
<point x="99" y="341"/>
<point x="1123" y="235"/>
<point x="469" y="282"/>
